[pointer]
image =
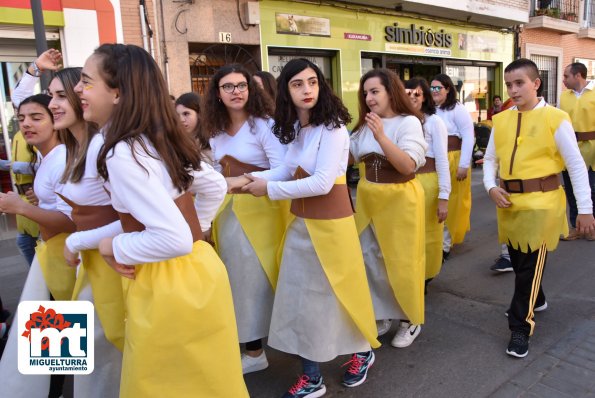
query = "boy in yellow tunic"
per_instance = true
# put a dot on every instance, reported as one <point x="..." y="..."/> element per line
<point x="579" y="102"/>
<point x="530" y="145"/>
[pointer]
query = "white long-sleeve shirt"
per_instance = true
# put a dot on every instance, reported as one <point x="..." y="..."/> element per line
<point x="404" y="131"/>
<point x="24" y="89"/>
<point x="256" y="145"/>
<point x="322" y="152"/>
<point x="437" y="138"/>
<point x="148" y="195"/>
<point x="47" y="181"/>
<point x="459" y="124"/>
<point x="567" y="146"/>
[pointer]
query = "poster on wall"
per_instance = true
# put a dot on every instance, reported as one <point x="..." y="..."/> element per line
<point x="290" y="24"/>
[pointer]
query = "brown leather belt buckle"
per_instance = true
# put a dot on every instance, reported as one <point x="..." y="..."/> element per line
<point x="513" y="186"/>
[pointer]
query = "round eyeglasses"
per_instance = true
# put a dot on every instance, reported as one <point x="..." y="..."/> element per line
<point x="229" y="88"/>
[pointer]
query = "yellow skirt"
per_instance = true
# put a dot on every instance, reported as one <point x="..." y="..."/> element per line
<point x="397" y="213"/>
<point x="181" y="337"/>
<point x="532" y="219"/>
<point x="264" y="222"/>
<point x="59" y="277"/>
<point x="434" y="229"/>
<point x="108" y="296"/>
<point x="459" y="203"/>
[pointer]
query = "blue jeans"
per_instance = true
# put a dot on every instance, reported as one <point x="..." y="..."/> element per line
<point x="26" y="244"/>
<point x="570" y="195"/>
<point x="311" y="368"/>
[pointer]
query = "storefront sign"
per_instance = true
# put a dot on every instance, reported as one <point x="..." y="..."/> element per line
<point x="277" y="62"/>
<point x="290" y="24"/>
<point x="429" y="51"/>
<point x="357" y="36"/>
<point x="418" y="36"/>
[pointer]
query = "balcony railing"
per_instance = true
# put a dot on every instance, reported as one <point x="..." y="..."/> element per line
<point x="589" y="16"/>
<point x="560" y="9"/>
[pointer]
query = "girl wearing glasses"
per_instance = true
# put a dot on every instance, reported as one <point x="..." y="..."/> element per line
<point x="248" y="230"/>
<point x="322" y="303"/>
<point x="388" y="142"/>
<point x="461" y="138"/>
<point x="434" y="176"/>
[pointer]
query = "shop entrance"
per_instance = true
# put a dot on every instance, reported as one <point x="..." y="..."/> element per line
<point x="405" y="66"/>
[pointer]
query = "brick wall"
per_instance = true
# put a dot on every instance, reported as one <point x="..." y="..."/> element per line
<point x="131" y="24"/>
<point x="570" y="44"/>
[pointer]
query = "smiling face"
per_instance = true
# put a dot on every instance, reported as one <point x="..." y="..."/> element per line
<point x="188" y="117"/>
<point x="304" y="89"/>
<point x="521" y="89"/>
<point x="234" y="100"/>
<point x="439" y="92"/>
<point x="36" y="125"/>
<point x="97" y="99"/>
<point x="376" y="97"/>
<point x="62" y="110"/>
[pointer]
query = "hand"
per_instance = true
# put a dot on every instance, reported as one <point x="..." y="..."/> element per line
<point x="4" y="165"/>
<point x="11" y="203"/>
<point x="462" y="173"/>
<point x="107" y="251"/>
<point x="31" y="197"/>
<point x="585" y="224"/>
<point x="442" y="209"/>
<point x="235" y="184"/>
<point x="72" y="259"/>
<point x="500" y="197"/>
<point x="375" y="125"/>
<point x="49" y="60"/>
<point x="208" y="237"/>
<point x="258" y="186"/>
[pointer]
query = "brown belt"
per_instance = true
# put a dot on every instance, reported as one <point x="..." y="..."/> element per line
<point x="544" y="184"/>
<point x="23" y="188"/>
<point x="585" y="135"/>
<point x="90" y="217"/>
<point x="48" y="233"/>
<point x="429" y="167"/>
<point x="333" y="205"/>
<point x="186" y="206"/>
<point x="379" y="170"/>
<point x="231" y="167"/>
<point x="454" y="143"/>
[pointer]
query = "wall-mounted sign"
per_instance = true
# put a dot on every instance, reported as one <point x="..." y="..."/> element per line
<point x="418" y="36"/>
<point x="357" y="36"/>
<point x="224" y="37"/>
<point x="277" y="62"/>
<point x="290" y="24"/>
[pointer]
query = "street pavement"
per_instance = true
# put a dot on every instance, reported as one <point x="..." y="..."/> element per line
<point x="461" y="349"/>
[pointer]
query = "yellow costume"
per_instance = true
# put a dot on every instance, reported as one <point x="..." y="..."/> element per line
<point x="526" y="149"/>
<point x="458" y="221"/>
<point x="583" y="120"/>
<point x="396" y="212"/>
<point x="59" y="276"/>
<point x="20" y="153"/>
<point x="434" y="229"/>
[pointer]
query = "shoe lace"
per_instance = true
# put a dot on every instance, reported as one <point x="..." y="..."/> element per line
<point x="403" y="328"/>
<point x="301" y="383"/>
<point x="355" y="364"/>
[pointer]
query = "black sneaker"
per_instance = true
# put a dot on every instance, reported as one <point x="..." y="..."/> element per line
<point x="519" y="345"/>
<point x="359" y="364"/>
<point x="306" y="387"/>
<point x="502" y="265"/>
<point x="445" y="256"/>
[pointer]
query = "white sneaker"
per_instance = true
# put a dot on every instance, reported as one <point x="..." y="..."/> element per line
<point x="540" y="308"/>
<point x="254" y="364"/>
<point x="405" y="334"/>
<point x="383" y="326"/>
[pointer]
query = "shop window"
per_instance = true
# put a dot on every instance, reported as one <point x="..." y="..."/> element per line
<point x="548" y="71"/>
<point x="475" y="87"/>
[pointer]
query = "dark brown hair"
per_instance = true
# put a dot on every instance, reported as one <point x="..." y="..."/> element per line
<point x="399" y="101"/>
<point x="451" y="96"/>
<point x="215" y="118"/>
<point x="428" y="107"/>
<point x="192" y="101"/>
<point x="269" y="83"/>
<point x="144" y="108"/>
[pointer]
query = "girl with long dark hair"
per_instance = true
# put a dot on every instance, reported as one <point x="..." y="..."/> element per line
<point x="178" y="301"/>
<point x="322" y="303"/>
<point x="388" y="143"/>
<point x="248" y="230"/>
<point x="188" y="109"/>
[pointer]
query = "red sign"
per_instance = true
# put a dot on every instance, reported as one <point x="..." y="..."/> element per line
<point x="357" y="36"/>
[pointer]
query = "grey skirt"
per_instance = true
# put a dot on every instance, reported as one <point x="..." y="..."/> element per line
<point x="308" y="320"/>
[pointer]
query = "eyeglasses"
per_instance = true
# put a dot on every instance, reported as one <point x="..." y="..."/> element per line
<point x="411" y="92"/>
<point x="436" y="89"/>
<point x="229" y="88"/>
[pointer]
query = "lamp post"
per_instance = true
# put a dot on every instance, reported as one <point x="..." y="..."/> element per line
<point x="41" y="44"/>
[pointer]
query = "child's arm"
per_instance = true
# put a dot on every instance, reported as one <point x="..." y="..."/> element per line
<point x="490" y="168"/>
